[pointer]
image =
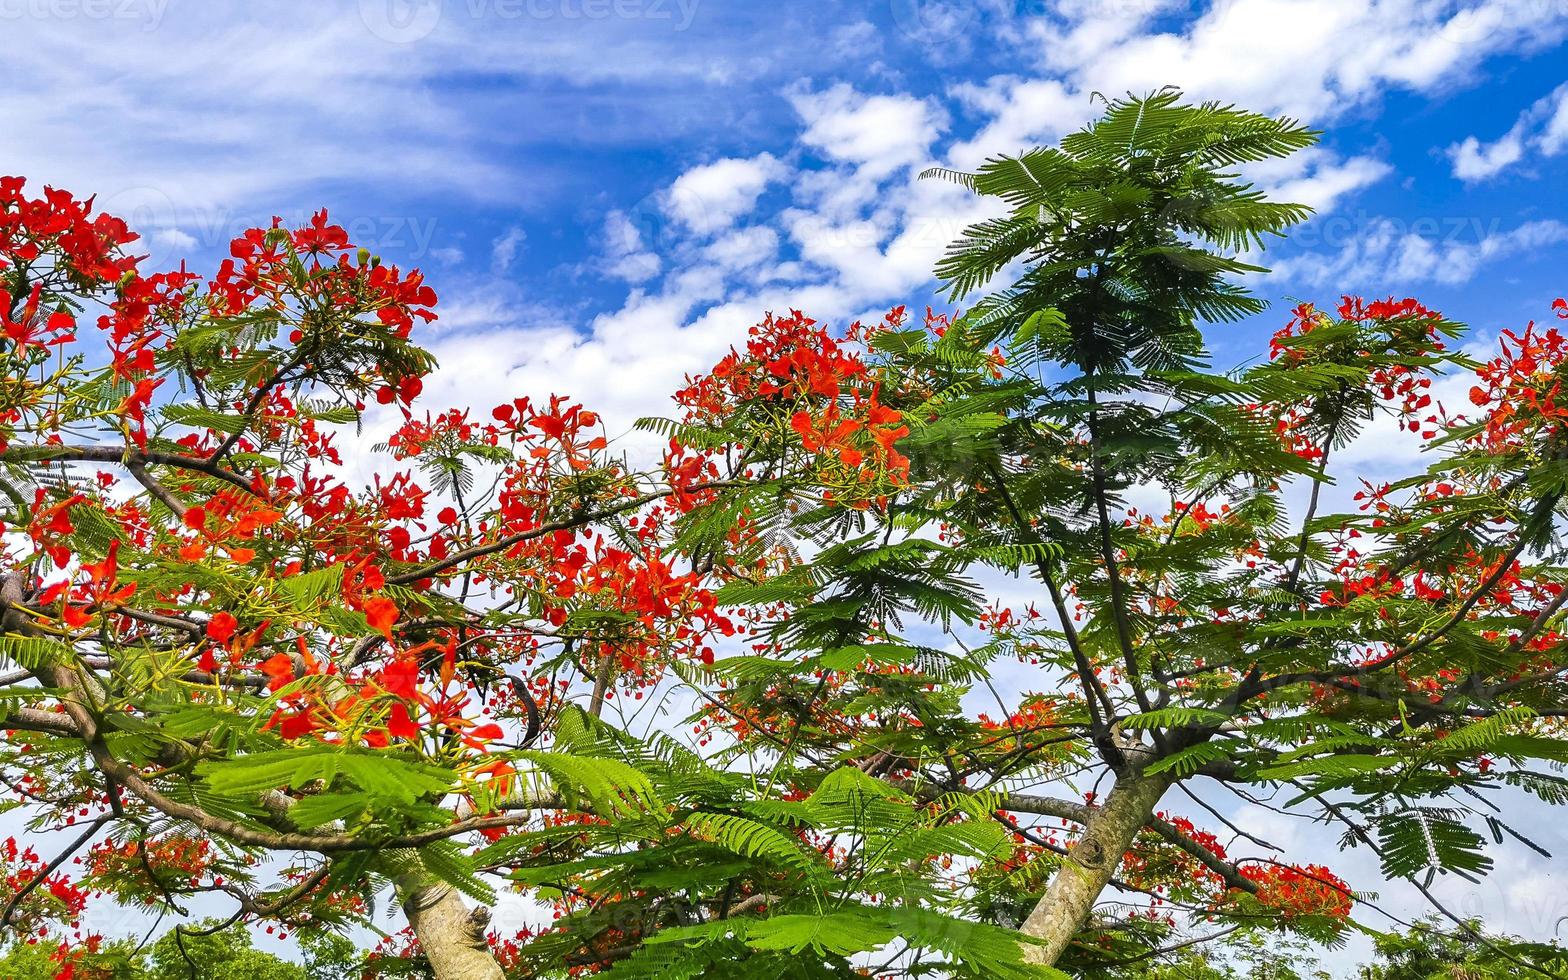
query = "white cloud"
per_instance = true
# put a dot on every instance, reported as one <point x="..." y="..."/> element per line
<point x="1542" y="129"/>
<point x="857" y="40"/>
<point x="744" y="248"/>
<point x="879" y="134"/>
<point x="1024" y="113"/>
<point x="107" y="105"/>
<point x="174" y="238"/>
<point x="1315" y="59"/>
<point x="1317" y="177"/>
<point x="220" y="114"/>
<point x="1474" y="160"/>
<point x="710" y="197"/>
<point x="1387" y="255"/>
<point x="1554" y="135"/>
<point x="626" y="256"/>
<point x="504" y="250"/>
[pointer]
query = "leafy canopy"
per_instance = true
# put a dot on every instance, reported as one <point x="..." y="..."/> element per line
<point x="234" y="676"/>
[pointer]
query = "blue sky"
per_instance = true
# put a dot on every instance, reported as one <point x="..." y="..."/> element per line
<point x="606" y="193"/>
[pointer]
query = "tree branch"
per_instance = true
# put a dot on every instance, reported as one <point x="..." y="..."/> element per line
<point x="124" y="456"/>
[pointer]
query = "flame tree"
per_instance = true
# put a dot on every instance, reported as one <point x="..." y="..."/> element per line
<point x="236" y="680"/>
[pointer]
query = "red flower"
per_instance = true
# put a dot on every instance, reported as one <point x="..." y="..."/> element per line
<point x="401" y="677"/>
<point x="485" y="733"/>
<point x="280" y="669"/>
<point x="32" y="329"/>
<point x="297" y="724"/>
<point x="400" y="724"/>
<point x="320" y="237"/>
<point x="381" y="613"/>
<point x="220" y="628"/>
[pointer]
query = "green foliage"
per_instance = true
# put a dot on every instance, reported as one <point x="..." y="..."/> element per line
<point x="379" y="774"/>
<point x="687" y="840"/>
<point x="37" y="961"/>
<point x="224" y="953"/>
<point x="1114" y="224"/>
<point x="981" y="950"/>
<point x="1434" y="950"/>
<point x="871" y="747"/>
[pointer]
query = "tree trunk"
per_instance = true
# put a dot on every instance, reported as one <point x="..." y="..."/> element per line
<point x="1089" y="865"/>
<point x="451" y="934"/>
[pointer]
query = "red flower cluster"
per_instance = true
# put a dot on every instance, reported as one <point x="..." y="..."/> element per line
<point x="393" y="700"/>
<point x="1521" y="388"/>
<point x="61" y="230"/>
<point x="827" y="392"/>
<point x="56" y="897"/>
<point x="1300" y="890"/>
<point x="54" y="235"/>
<point x="1399" y="329"/>
<point x="260" y="270"/>
<point x="137" y="870"/>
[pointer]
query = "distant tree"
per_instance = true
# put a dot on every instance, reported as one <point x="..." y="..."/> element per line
<point x="1242" y="956"/>
<point x="44" y="961"/>
<point x="209" y="951"/>
<point x="1433" y="950"/>
<point x="222" y="954"/>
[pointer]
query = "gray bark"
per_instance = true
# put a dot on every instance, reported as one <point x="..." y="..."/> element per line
<point x="451" y="934"/>
<point x="1090" y="864"/>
